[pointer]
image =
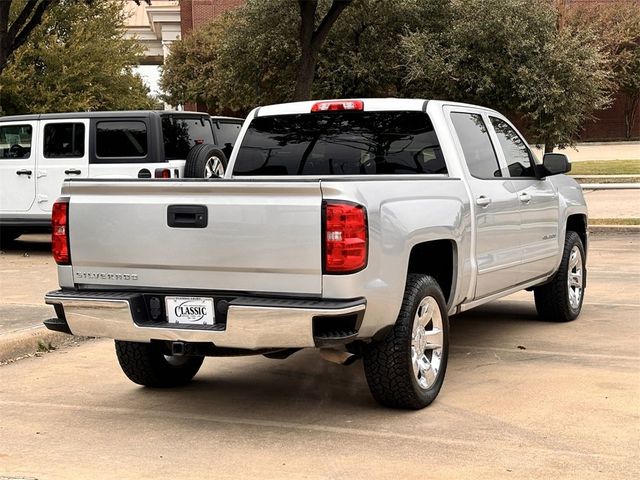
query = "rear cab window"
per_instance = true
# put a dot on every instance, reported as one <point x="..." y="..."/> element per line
<point x="181" y="134"/>
<point x="15" y="141"/>
<point x="340" y="143"/>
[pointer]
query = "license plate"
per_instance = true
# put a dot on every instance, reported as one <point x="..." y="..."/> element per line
<point x="190" y="310"/>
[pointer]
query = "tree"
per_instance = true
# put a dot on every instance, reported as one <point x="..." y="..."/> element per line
<point x="311" y="39"/>
<point x="509" y="55"/>
<point x="617" y="26"/>
<point x="506" y="54"/>
<point x="76" y="59"/>
<point x="18" y="19"/>
<point x="27" y="17"/>
<point x="247" y="57"/>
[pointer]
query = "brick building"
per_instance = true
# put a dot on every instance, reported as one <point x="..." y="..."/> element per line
<point x="609" y="123"/>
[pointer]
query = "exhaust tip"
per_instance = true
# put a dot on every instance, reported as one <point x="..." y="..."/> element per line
<point x="340" y="357"/>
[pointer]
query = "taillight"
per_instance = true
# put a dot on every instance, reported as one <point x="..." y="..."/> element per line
<point x="345" y="237"/>
<point x="162" y="173"/>
<point x="60" y="232"/>
<point x="337" y="105"/>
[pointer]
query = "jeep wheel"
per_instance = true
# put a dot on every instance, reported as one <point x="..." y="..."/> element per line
<point x="560" y="300"/>
<point x="146" y="364"/>
<point x="406" y="369"/>
<point x="205" y="161"/>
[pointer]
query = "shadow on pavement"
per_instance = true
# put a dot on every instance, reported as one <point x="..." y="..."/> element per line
<point x="30" y="242"/>
<point x="259" y="387"/>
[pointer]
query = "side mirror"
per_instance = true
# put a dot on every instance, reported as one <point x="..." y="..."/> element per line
<point x="553" y="164"/>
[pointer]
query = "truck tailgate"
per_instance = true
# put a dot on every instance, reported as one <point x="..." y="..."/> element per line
<point x="259" y="237"/>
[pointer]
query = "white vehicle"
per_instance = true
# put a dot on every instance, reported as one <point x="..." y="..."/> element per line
<point x="37" y="152"/>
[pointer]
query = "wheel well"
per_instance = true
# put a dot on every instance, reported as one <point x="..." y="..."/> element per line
<point x="578" y="223"/>
<point x="435" y="258"/>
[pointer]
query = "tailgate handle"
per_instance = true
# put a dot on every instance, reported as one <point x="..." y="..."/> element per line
<point x="187" y="216"/>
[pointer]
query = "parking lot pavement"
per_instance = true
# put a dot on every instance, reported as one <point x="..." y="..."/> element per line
<point x="612" y="203"/>
<point x="522" y="398"/>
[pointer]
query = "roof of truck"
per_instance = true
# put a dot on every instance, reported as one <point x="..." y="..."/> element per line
<point x="368" y="104"/>
<point x="124" y="114"/>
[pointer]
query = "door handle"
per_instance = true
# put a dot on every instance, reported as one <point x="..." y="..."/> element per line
<point x="73" y="171"/>
<point x="187" y="216"/>
<point x="24" y="172"/>
<point x="525" y="197"/>
<point x="483" y="201"/>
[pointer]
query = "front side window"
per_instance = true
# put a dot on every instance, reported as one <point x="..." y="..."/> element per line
<point x="64" y="140"/>
<point x="515" y="151"/>
<point x="476" y="145"/>
<point x="181" y="134"/>
<point x="121" y="139"/>
<point x="340" y="143"/>
<point x="15" y="141"/>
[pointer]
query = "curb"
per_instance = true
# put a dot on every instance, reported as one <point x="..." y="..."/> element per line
<point x="604" y="229"/>
<point x="25" y="342"/>
<point x="610" y="186"/>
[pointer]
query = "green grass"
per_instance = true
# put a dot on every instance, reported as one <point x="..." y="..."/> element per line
<point x="606" y="167"/>
<point x="614" y="221"/>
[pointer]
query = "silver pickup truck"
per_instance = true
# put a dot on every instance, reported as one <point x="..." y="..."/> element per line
<point x="353" y="226"/>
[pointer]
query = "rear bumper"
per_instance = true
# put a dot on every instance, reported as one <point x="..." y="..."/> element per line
<point x="249" y="322"/>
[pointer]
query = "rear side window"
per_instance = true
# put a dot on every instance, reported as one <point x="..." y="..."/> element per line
<point x="226" y="133"/>
<point x="64" y="140"/>
<point x="341" y="143"/>
<point x="181" y="134"/>
<point x="15" y="141"/>
<point x="515" y="151"/>
<point x="121" y="139"/>
<point x="476" y="145"/>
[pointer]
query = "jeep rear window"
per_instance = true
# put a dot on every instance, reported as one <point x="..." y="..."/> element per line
<point x="181" y="134"/>
<point x="340" y="143"/>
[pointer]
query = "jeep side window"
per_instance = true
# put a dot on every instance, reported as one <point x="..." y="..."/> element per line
<point x="121" y="139"/>
<point x="15" y="141"/>
<point x="64" y="140"/>
<point x="515" y="151"/>
<point x="476" y="145"/>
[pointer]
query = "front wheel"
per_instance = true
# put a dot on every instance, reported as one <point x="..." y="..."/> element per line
<point x="146" y="364"/>
<point x="406" y="369"/>
<point x="560" y="300"/>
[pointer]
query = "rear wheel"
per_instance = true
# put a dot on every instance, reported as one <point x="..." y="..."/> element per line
<point x="205" y="161"/>
<point x="146" y="364"/>
<point x="406" y="369"/>
<point x="560" y="300"/>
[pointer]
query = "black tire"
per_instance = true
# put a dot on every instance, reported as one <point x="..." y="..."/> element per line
<point x="9" y="234"/>
<point x="146" y="364"/>
<point x="198" y="158"/>
<point x="388" y="364"/>
<point x="552" y="299"/>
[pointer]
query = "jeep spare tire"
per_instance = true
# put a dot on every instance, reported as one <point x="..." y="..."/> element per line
<point x="205" y="161"/>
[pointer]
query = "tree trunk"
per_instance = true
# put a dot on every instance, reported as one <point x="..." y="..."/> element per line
<point x="630" y="111"/>
<point x="306" y="73"/>
<point x="548" y="146"/>
<point x="4" y="38"/>
<point x="311" y="40"/>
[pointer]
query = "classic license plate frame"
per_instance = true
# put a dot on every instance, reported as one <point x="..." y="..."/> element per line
<point x="190" y="310"/>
